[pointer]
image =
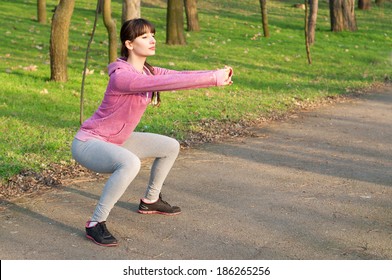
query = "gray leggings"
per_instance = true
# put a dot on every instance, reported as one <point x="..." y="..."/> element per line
<point x="123" y="162"/>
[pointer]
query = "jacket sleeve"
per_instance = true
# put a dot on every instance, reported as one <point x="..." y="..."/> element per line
<point x="123" y="81"/>
<point x="164" y="71"/>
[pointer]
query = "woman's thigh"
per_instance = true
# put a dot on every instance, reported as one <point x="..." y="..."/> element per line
<point x="145" y="145"/>
<point x="100" y="156"/>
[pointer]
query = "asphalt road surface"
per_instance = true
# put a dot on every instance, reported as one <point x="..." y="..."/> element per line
<point x="317" y="186"/>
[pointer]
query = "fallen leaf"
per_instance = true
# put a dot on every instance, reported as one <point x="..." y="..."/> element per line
<point x="30" y="68"/>
<point x="89" y="72"/>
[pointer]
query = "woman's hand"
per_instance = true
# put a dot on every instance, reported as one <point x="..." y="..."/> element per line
<point x="230" y="74"/>
<point x="224" y="76"/>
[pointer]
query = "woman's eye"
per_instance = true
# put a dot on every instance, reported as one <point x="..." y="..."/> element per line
<point x="146" y="36"/>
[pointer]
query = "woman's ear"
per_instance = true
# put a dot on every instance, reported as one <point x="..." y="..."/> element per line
<point x="128" y="44"/>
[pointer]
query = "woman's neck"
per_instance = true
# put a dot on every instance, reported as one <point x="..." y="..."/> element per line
<point x="137" y="63"/>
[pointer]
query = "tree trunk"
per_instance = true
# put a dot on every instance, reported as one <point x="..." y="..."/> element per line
<point x="111" y="28"/>
<point x="364" y="4"/>
<point x="130" y="10"/>
<point x="192" y="17"/>
<point x="312" y="20"/>
<point x="97" y="11"/>
<point x="100" y="6"/>
<point x="175" y="23"/>
<point x="59" y="40"/>
<point x="264" y="17"/>
<point x="379" y="2"/>
<point x="306" y="27"/>
<point x="342" y="15"/>
<point x="41" y="11"/>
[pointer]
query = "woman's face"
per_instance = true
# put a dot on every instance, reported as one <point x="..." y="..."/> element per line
<point x="144" y="45"/>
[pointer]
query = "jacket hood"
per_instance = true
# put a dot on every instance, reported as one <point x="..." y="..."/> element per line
<point x="120" y="63"/>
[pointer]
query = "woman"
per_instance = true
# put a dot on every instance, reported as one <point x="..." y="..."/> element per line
<point x="107" y="143"/>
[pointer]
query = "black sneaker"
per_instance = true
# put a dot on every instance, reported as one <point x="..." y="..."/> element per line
<point x="159" y="207"/>
<point x="100" y="235"/>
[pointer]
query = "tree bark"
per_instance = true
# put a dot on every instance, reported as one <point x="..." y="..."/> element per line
<point x="192" y="17"/>
<point x="41" y="11"/>
<point x="175" y="23"/>
<point x="59" y="40"/>
<point x="364" y="4"/>
<point x="312" y="20"/>
<point x="111" y="28"/>
<point x="264" y="17"/>
<point x="130" y="10"/>
<point x="342" y="15"/>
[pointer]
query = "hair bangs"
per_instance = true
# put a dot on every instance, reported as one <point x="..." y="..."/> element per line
<point x="143" y="27"/>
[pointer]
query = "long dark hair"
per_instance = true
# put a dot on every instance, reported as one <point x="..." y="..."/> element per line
<point x="130" y="30"/>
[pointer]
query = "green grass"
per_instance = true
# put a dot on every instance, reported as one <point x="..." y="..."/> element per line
<point x="38" y="118"/>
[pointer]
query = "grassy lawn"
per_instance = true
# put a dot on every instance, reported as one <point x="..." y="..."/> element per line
<point x="38" y="118"/>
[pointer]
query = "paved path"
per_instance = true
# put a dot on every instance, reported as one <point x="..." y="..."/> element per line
<point x="318" y="186"/>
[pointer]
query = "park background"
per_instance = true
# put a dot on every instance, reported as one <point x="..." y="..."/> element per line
<point x="39" y="117"/>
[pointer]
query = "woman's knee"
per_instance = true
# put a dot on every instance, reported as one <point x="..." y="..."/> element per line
<point x="173" y="146"/>
<point x="130" y="162"/>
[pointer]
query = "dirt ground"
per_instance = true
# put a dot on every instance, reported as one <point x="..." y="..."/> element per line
<point x="315" y="186"/>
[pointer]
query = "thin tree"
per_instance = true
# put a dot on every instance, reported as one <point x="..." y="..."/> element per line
<point x="312" y="20"/>
<point x="41" y="11"/>
<point x="307" y="45"/>
<point x="100" y="6"/>
<point x="130" y="9"/>
<point x="59" y="40"/>
<point x="364" y="4"/>
<point x="192" y="17"/>
<point x="111" y="28"/>
<point x="175" y="23"/>
<point x="97" y="11"/>
<point x="264" y="17"/>
<point x="342" y="15"/>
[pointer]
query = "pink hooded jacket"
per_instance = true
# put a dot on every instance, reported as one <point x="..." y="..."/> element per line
<point x="128" y="94"/>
